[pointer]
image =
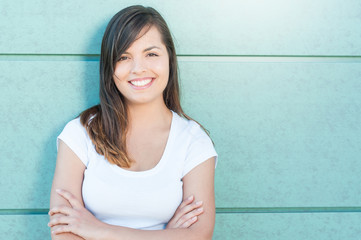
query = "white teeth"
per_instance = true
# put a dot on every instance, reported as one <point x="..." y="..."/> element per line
<point x="141" y="83"/>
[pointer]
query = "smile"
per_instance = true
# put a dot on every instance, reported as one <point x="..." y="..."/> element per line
<point x="141" y="83"/>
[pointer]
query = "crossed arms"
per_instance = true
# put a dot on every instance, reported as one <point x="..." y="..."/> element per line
<point x="194" y="219"/>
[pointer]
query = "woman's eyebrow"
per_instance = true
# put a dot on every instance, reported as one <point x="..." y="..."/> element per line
<point x="145" y="50"/>
<point x="150" y="48"/>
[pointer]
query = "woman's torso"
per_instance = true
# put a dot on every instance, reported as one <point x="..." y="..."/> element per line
<point x="139" y="199"/>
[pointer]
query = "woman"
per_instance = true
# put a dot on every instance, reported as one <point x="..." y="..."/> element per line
<point x="135" y="162"/>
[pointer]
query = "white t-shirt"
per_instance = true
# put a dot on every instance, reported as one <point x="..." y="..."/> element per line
<point x="143" y="199"/>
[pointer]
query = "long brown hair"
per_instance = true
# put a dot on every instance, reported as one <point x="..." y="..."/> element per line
<point x="107" y="122"/>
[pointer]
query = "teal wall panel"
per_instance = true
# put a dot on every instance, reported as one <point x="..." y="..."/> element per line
<point x="24" y="227"/>
<point x="288" y="134"/>
<point x="41" y="98"/>
<point x="279" y="27"/>
<point x="311" y="226"/>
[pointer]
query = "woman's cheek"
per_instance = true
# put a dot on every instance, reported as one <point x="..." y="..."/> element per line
<point x="161" y="66"/>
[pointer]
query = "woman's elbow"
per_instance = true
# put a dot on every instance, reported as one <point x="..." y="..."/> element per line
<point x="207" y="235"/>
<point x="203" y="234"/>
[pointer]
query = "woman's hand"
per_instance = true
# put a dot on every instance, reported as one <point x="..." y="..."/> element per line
<point x="186" y="214"/>
<point x="75" y="219"/>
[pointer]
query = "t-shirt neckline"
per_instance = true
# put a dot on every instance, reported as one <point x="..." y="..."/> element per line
<point x="161" y="162"/>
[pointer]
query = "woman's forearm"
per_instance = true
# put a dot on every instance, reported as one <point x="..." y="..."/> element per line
<point x="66" y="236"/>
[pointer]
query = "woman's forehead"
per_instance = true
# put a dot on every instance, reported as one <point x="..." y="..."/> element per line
<point x="148" y="37"/>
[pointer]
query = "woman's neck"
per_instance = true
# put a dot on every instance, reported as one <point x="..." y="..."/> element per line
<point x="151" y="115"/>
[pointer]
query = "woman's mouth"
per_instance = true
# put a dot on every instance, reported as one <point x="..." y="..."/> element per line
<point x="141" y="83"/>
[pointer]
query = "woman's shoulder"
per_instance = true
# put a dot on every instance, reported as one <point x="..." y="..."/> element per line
<point x="197" y="145"/>
<point x="74" y="130"/>
<point x="75" y="136"/>
<point x="78" y="123"/>
<point x="189" y="127"/>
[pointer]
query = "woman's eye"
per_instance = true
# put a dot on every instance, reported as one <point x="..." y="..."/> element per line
<point x="123" y="58"/>
<point x="152" y="55"/>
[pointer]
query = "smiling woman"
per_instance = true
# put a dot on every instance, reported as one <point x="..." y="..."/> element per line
<point x="142" y="72"/>
<point x="135" y="162"/>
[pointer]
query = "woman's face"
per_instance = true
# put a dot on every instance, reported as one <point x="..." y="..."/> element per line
<point x="142" y="72"/>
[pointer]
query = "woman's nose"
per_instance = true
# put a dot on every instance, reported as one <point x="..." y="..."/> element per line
<point x="138" y="66"/>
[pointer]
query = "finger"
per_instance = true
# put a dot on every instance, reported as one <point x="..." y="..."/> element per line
<point x="70" y="197"/>
<point x="186" y="201"/>
<point x="190" y="207"/>
<point x="190" y="222"/>
<point x="54" y="228"/>
<point x="61" y="229"/>
<point x="59" y="221"/>
<point x="183" y="211"/>
<point x="189" y="217"/>
<point x="178" y="213"/>
<point x="61" y="209"/>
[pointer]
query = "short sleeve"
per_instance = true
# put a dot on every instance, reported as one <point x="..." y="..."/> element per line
<point x="74" y="135"/>
<point x="200" y="150"/>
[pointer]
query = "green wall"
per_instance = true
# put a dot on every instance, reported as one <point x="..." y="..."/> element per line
<point x="277" y="84"/>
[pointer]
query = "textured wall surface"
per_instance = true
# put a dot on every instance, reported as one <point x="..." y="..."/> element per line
<point x="277" y="83"/>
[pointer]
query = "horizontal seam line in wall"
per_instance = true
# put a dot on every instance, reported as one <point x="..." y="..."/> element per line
<point x="289" y="210"/>
<point x="44" y="211"/>
<point x="183" y="57"/>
